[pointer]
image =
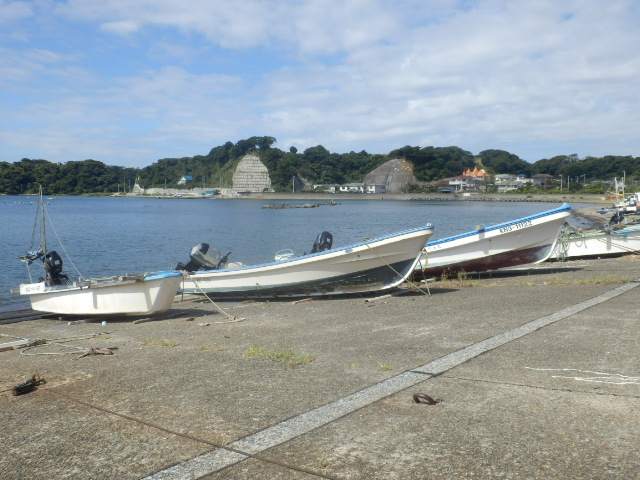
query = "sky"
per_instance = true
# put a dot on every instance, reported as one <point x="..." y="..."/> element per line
<point x="128" y="82"/>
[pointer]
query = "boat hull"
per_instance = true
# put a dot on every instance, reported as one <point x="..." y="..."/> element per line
<point x="519" y="242"/>
<point x="377" y="264"/>
<point x="153" y="294"/>
<point x="598" y="244"/>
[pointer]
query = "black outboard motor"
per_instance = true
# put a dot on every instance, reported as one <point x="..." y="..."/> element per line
<point x="323" y="242"/>
<point x="203" y="257"/>
<point x="616" y="218"/>
<point x="53" y="269"/>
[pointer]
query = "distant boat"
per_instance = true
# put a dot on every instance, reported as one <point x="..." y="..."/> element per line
<point x="518" y="242"/>
<point x="609" y="241"/>
<point x="375" y="264"/>
<point x="55" y="292"/>
<point x="629" y="204"/>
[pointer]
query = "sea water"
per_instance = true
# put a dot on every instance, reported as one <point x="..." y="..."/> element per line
<point x="104" y="236"/>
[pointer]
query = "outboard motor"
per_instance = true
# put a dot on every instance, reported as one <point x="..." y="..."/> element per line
<point x="323" y="242"/>
<point x="203" y="257"/>
<point x="53" y="269"/>
<point x="616" y="218"/>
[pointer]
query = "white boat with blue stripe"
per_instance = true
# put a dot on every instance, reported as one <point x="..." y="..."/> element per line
<point x="518" y="242"/>
<point x="612" y="240"/>
<point x="129" y="295"/>
<point x="376" y="264"/>
<point x="56" y="292"/>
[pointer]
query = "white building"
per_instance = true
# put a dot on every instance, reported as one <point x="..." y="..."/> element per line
<point x="375" y="188"/>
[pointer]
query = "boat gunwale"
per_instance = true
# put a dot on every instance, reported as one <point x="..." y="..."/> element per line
<point x="240" y="290"/>
<point x="600" y="233"/>
<point x="562" y="209"/>
<point x="102" y="282"/>
<point x="328" y="253"/>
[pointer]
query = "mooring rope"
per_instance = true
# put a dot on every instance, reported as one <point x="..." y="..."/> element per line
<point x="395" y="271"/>
<point x="220" y="309"/>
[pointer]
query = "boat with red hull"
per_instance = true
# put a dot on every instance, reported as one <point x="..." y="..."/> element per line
<point x="518" y="242"/>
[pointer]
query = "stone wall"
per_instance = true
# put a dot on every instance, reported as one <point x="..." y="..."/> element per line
<point x="251" y="175"/>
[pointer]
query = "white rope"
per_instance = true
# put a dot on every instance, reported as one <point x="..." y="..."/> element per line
<point x="395" y="271"/>
<point x="221" y="310"/>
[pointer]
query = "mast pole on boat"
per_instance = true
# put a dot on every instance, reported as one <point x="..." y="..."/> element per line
<point x="43" y="222"/>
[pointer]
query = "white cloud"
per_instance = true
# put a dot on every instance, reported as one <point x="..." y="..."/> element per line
<point x="14" y="11"/>
<point x="124" y="27"/>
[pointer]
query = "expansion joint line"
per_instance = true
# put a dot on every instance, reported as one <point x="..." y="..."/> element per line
<point x="294" y="427"/>
<point x="216" y="446"/>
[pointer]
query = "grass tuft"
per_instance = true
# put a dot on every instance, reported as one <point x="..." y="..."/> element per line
<point x="286" y="356"/>
<point x="159" y="343"/>
<point x="460" y="279"/>
<point x="210" y="348"/>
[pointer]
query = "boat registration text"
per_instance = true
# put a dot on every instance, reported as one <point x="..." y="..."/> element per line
<point x="30" y="288"/>
<point x="516" y="226"/>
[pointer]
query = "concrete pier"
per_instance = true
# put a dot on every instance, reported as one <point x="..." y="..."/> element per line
<point x="535" y="372"/>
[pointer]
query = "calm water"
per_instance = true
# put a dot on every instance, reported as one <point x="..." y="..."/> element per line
<point x="110" y="235"/>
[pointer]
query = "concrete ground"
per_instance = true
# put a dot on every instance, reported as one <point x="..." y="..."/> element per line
<point x="536" y="371"/>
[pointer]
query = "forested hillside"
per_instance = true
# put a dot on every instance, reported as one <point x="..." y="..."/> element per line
<point x="315" y="165"/>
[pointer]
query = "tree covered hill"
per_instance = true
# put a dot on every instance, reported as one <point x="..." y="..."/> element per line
<point x="314" y="164"/>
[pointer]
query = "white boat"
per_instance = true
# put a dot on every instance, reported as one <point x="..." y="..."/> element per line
<point x="611" y="240"/>
<point x="518" y="242"/>
<point x="55" y="292"/>
<point x="629" y="204"/>
<point x="141" y="294"/>
<point x="375" y="264"/>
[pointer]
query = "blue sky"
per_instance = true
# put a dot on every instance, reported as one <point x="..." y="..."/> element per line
<point x="128" y="82"/>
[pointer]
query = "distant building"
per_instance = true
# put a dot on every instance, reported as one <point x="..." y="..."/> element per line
<point x="328" y="188"/>
<point x="375" y="188"/>
<point x="352" y="188"/>
<point x="503" y="178"/>
<point x="363" y="188"/>
<point x="185" y="179"/>
<point x="543" y="180"/>
<point x="511" y="185"/>
<point x="476" y="173"/>
<point x="459" y="183"/>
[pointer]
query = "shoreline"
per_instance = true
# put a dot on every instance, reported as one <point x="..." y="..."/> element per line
<point x="489" y="197"/>
<point x="463" y="197"/>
